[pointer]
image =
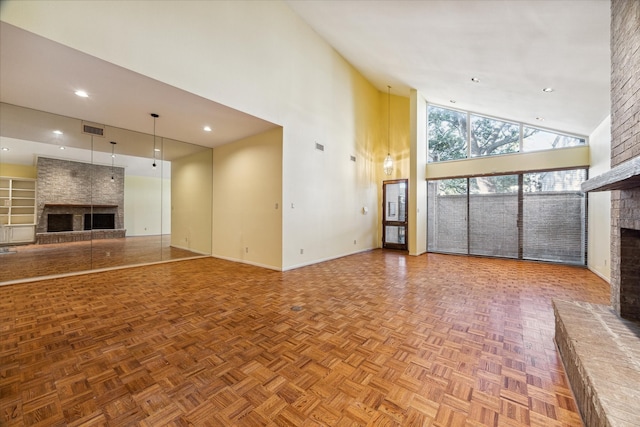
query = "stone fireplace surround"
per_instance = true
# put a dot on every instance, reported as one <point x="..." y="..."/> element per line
<point x="600" y="345"/>
<point x="76" y="188"/>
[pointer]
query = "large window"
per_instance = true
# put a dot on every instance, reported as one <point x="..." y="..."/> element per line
<point x="536" y="216"/>
<point x="454" y="135"/>
<point x="554" y="213"/>
<point x="536" y="139"/>
<point x="447" y="134"/>
<point x="491" y="136"/>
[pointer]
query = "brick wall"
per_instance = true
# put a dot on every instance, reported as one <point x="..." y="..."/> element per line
<point x="550" y="220"/>
<point x="625" y="141"/>
<point x="68" y="182"/>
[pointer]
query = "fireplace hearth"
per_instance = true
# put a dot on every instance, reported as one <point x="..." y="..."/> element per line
<point x="65" y="223"/>
<point x="600" y="345"/>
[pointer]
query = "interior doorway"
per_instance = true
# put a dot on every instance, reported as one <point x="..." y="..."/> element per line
<point x="394" y="221"/>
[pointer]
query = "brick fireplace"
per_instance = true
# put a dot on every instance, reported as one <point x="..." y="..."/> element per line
<point x="84" y="194"/>
<point x="600" y="345"/>
<point x="623" y="180"/>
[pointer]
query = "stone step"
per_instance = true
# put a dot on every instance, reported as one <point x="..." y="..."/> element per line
<point x="601" y="355"/>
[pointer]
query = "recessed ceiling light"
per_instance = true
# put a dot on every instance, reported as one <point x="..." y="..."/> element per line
<point x="453" y="101"/>
<point x="207" y="129"/>
<point x="540" y="118"/>
<point x="156" y="149"/>
<point x="61" y="147"/>
<point x="57" y="132"/>
<point x="5" y="148"/>
<point x="82" y="94"/>
<point x="475" y="79"/>
<point x="547" y="89"/>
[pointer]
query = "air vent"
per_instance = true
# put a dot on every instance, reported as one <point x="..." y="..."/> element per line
<point x="319" y="147"/>
<point x="92" y="130"/>
<point x="353" y="158"/>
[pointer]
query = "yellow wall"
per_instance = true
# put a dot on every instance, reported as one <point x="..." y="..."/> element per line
<point x="566" y="158"/>
<point x="17" y="171"/>
<point x="191" y="202"/>
<point x="599" y="232"/>
<point x="247" y="211"/>
<point x="398" y="146"/>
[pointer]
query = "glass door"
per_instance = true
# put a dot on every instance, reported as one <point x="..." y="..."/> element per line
<point x="394" y="222"/>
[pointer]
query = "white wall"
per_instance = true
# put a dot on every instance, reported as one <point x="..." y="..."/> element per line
<point x="260" y="58"/>
<point x="417" y="182"/>
<point x="599" y="231"/>
<point x="147" y="206"/>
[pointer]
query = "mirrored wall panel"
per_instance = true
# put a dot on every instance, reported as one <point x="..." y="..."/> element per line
<point x="78" y="196"/>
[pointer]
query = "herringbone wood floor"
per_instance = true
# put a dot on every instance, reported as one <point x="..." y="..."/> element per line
<point x="381" y="339"/>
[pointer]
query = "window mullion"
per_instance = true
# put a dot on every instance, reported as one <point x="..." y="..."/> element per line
<point x="519" y="221"/>
<point x="468" y="139"/>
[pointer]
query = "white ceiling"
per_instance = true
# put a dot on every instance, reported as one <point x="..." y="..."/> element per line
<point x="41" y="74"/>
<point x="515" y="48"/>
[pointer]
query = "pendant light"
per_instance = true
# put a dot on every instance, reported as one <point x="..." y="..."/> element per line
<point x="387" y="165"/>
<point x="113" y="156"/>
<point x="155" y="116"/>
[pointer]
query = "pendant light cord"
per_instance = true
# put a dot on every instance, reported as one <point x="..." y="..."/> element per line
<point x="388" y="120"/>
<point x="155" y="116"/>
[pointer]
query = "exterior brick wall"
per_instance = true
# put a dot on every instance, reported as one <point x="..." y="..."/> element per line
<point x="625" y="140"/>
<point x="68" y="182"/>
<point x="549" y="234"/>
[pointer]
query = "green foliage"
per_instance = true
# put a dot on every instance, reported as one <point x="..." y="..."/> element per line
<point x="448" y="141"/>
<point x="447" y="134"/>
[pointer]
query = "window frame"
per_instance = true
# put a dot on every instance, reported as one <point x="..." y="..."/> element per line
<point x="521" y="217"/>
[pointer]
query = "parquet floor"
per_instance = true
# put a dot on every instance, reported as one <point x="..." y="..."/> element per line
<point x="378" y="338"/>
<point x="29" y="261"/>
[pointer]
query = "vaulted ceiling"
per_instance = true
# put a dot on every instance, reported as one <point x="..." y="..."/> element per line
<point x="514" y="48"/>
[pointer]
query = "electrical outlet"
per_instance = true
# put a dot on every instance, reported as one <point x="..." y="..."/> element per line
<point x="301" y="251"/>
<point x="354" y="241"/>
<point x="246" y="249"/>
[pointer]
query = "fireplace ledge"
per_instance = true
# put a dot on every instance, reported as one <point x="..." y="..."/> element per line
<point x="72" y="205"/>
<point x="625" y="176"/>
<point x="79" y="236"/>
<point x="601" y="355"/>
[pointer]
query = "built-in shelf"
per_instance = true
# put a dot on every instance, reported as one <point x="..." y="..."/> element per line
<point x="625" y="176"/>
<point x="17" y="210"/>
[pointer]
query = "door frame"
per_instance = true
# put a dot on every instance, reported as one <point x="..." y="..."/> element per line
<point x="401" y="246"/>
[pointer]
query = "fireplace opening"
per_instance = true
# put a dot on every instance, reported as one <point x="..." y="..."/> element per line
<point x="99" y="221"/>
<point x="59" y="222"/>
<point x="630" y="273"/>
